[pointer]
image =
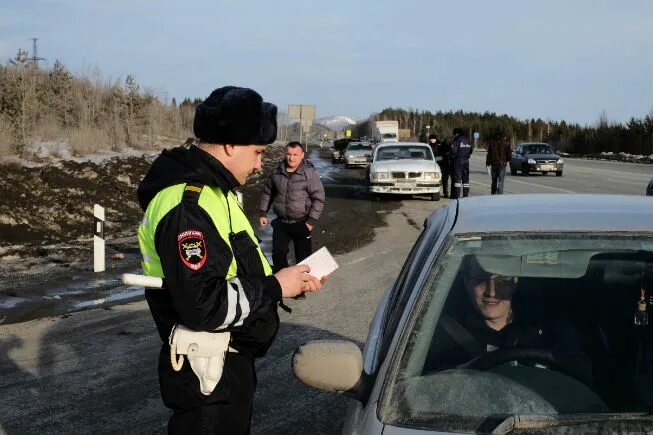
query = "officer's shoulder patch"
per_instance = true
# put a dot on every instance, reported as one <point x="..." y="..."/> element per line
<point x="192" y="248"/>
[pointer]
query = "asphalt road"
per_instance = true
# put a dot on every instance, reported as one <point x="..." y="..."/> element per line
<point x="579" y="176"/>
<point x="94" y="371"/>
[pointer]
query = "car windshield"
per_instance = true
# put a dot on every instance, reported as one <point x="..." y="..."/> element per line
<point x="404" y="152"/>
<point x="552" y="325"/>
<point x="538" y="149"/>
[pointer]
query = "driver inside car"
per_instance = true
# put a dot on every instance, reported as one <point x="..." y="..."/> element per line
<point x="493" y="319"/>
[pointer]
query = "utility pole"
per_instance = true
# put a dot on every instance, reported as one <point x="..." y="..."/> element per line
<point x="35" y="58"/>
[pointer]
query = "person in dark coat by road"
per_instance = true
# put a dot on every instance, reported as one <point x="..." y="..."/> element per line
<point x="461" y="151"/>
<point x="442" y="152"/>
<point x="295" y="193"/>
<point x="498" y="156"/>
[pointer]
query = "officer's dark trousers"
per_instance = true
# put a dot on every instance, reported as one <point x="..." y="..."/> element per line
<point x="446" y="174"/>
<point x="227" y="410"/>
<point x="460" y="178"/>
<point x="282" y="234"/>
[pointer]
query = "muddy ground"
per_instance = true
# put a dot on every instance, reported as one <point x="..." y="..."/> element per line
<point x="46" y="219"/>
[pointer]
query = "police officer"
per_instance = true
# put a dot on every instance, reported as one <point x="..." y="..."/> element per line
<point x="196" y="236"/>
<point x="442" y="151"/>
<point x="461" y="151"/>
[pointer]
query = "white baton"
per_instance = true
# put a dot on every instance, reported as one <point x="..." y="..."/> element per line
<point x="142" y="280"/>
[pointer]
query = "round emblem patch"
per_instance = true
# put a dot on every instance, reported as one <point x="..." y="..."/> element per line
<point x="192" y="249"/>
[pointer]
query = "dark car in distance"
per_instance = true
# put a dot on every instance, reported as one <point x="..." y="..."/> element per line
<point x="535" y="157"/>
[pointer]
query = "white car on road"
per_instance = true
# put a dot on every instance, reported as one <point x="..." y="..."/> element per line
<point x="358" y="154"/>
<point x="405" y="168"/>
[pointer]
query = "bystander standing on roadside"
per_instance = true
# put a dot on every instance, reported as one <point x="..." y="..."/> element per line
<point x="498" y="156"/>
<point x="461" y="151"/>
<point x="444" y="152"/>
<point x="434" y="143"/>
<point x="219" y="291"/>
<point x="295" y="193"/>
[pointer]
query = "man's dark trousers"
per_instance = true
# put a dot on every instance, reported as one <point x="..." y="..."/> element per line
<point x="227" y="410"/>
<point x="460" y="178"/>
<point x="445" y="169"/>
<point x="498" y="175"/>
<point x="282" y="234"/>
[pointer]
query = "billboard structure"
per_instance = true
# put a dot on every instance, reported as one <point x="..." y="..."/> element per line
<point x="305" y="114"/>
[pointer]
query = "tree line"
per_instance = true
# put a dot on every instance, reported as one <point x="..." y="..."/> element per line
<point x="85" y="111"/>
<point x="90" y="114"/>
<point x="633" y="137"/>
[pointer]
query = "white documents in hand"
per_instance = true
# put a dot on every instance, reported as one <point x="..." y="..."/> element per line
<point x="321" y="263"/>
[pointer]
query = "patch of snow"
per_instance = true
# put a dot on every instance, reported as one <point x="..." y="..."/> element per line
<point x="124" y="179"/>
<point x="49" y="152"/>
<point x="11" y="302"/>
<point x="7" y="220"/>
<point x="10" y="258"/>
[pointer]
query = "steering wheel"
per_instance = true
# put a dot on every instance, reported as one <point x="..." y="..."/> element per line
<point x="497" y="357"/>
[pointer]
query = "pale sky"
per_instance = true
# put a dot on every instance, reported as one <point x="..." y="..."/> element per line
<point x="552" y="59"/>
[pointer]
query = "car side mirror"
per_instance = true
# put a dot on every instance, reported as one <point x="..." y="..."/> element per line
<point x="331" y="365"/>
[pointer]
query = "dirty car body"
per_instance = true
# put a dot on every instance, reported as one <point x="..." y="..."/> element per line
<point x="404" y="168"/>
<point x="581" y="356"/>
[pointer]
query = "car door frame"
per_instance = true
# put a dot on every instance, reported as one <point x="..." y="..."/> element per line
<point x="390" y="317"/>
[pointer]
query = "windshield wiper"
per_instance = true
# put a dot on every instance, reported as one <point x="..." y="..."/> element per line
<point x="539" y="421"/>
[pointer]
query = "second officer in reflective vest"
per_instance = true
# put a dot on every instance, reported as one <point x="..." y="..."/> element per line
<point x="461" y="151"/>
<point x="216" y="279"/>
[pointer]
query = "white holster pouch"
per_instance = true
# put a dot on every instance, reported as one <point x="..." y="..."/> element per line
<point x="205" y="351"/>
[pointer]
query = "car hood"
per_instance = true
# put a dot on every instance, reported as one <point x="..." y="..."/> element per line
<point x="542" y="156"/>
<point x="406" y="165"/>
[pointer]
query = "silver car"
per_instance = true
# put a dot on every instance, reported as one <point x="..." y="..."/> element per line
<point x="523" y="313"/>
<point x="358" y="154"/>
<point x="404" y="168"/>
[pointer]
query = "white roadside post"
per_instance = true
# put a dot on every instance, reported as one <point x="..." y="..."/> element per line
<point x="98" y="238"/>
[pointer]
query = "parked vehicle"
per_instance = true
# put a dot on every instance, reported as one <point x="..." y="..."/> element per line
<point x="573" y="282"/>
<point x="535" y="157"/>
<point x="338" y="149"/>
<point x="358" y="154"/>
<point x="404" y="168"/>
<point x="388" y="131"/>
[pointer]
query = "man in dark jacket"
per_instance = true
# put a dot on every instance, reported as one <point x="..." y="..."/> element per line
<point x="442" y="152"/>
<point x="498" y="156"/>
<point x="296" y="194"/>
<point x="216" y="278"/>
<point x="461" y="151"/>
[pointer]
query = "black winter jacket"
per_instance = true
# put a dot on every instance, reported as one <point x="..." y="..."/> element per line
<point x="203" y="299"/>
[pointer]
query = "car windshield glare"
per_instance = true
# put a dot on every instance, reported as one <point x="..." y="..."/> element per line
<point x="538" y="149"/>
<point x="546" y="324"/>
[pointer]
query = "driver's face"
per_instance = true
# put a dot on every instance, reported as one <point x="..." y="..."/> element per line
<point x="492" y="296"/>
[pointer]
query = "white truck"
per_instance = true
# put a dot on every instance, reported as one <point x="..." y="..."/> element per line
<point x="388" y="130"/>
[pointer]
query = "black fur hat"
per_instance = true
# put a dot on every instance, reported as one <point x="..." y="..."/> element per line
<point x="236" y="116"/>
